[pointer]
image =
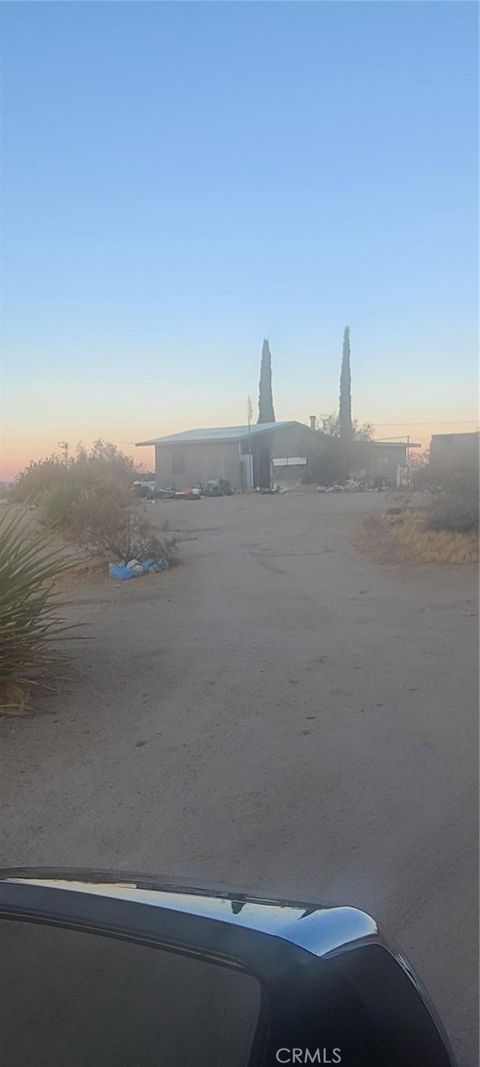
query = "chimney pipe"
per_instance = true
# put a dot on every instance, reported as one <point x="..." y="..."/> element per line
<point x="313" y="422"/>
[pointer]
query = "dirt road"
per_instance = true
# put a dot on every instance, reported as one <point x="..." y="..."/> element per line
<point x="278" y="713"/>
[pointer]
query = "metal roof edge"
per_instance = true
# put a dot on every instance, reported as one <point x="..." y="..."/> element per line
<point x="243" y="431"/>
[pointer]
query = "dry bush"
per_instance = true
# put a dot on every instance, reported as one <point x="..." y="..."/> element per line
<point x="89" y="499"/>
<point x="73" y="472"/>
<point x="103" y="518"/>
<point x="456" y="510"/>
<point x="414" y="542"/>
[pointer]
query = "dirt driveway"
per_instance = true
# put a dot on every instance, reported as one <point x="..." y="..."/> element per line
<point x="280" y="714"/>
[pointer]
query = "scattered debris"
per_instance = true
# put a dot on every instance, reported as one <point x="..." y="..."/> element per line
<point x="144" y="489"/>
<point x="218" y="487"/>
<point x="352" y="485"/>
<point x="135" y="568"/>
<point x="163" y="494"/>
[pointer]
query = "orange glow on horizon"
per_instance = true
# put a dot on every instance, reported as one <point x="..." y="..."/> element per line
<point x="19" y="449"/>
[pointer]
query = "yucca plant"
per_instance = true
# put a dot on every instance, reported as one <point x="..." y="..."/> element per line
<point x="30" y="624"/>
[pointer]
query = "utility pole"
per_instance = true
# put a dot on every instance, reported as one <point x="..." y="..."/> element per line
<point x="249" y="420"/>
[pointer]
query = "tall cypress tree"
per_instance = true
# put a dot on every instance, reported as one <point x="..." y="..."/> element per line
<point x="266" y="412"/>
<point x="345" y="407"/>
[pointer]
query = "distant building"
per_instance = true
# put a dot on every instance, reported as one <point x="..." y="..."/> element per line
<point x="454" y="449"/>
<point x="241" y="455"/>
<point x="381" y="462"/>
<point x="268" y="454"/>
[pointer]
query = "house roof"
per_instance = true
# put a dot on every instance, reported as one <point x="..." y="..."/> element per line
<point x="220" y="433"/>
<point x="390" y="444"/>
<point x="451" y="437"/>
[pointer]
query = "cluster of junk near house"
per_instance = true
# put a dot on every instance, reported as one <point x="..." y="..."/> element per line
<point x="269" y="457"/>
<point x="272" y="456"/>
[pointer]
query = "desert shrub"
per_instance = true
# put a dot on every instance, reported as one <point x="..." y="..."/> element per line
<point x="455" y="509"/>
<point x="141" y="540"/>
<point x="76" y="471"/>
<point x="104" y="518"/>
<point x="420" y="469"/>
<point x="111" y="525"/>
<point x="57" y="504"/>
<point x="422" y="478"/>
<point x="72" y="507"/>
<point x="330" y="425"/>
<point x="439" y="477"/>
<point x="37" y="478"/>
<point x="90" y="500"/>
<point x="29" y="620"/>
<point x="138" y="539"/>
<point x="454" y="489"/>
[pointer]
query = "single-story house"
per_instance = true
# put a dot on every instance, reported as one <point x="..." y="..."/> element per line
<point x="381" y="462"/>
<point x="242" y="455"/>
<point x="454" y="450"/>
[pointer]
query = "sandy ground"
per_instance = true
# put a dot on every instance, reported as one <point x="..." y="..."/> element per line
<point x="279" y="713"/>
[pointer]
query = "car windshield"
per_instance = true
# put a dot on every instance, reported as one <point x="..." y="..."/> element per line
<point x="239" y="466"/>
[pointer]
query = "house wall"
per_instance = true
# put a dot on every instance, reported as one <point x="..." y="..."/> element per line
<point x="286" y="441"/>
<point x="380" y="462"/>
<point x="294" y="441"/>
<point x="192" y="464"/>
<point x="454" y="450"/>
<point x="182" y="464"/>
<point x="384" y="462"/>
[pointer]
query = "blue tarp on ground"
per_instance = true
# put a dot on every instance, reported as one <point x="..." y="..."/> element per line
<point x="122" y="574"/>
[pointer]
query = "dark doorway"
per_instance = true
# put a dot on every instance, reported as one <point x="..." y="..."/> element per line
<point x="263" y="467"/>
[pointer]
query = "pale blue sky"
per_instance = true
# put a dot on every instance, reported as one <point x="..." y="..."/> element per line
<point x="181" y="180"/>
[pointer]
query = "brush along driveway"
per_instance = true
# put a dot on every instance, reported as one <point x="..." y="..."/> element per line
<point x="278" y="713"/>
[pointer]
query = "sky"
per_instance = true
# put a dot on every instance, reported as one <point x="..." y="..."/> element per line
<point x="182" y="180"/>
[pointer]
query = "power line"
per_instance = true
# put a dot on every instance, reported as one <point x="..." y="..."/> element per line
<point x="433" y="422"/>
